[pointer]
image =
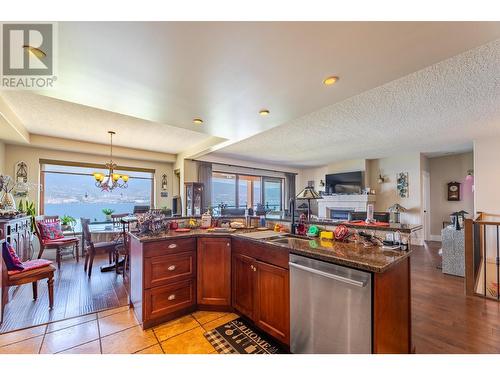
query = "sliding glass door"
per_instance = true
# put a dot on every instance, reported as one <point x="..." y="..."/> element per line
<point x="273" y="193"/>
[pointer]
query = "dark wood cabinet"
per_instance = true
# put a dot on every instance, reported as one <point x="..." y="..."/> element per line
<point x="272" y="301"/>
<point x="18" y="233"/>
<point x="261" y="290"/>
<point x="243" y="284"/>
<point x="162" y="279"/>
<point x="214" y="272"/>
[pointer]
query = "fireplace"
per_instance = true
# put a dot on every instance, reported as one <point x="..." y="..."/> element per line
<point x="339" y="214"/>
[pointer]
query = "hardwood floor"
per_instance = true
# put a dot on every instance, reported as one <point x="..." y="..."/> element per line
<point x="74" y="295"/>
<point x="444" y="319"/>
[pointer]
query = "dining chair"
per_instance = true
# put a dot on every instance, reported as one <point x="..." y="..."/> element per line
<point x="91" y="248"/>
<point x="58" y="243"/>
<point x="34" y="270"/>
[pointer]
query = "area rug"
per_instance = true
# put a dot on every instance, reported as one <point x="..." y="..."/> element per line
<point x="238" y="337"/>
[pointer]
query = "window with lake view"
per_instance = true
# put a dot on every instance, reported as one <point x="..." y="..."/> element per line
<point x="71" y="190"/>
<point x="245" y="191"/>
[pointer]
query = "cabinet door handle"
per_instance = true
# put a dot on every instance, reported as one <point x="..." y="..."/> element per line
<point x="171" y="297"/>
<point x="228" y="244"/>
<point x="171" y="268"/>
<point x="172" y="246"/>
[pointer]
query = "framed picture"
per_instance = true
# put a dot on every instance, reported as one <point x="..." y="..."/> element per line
<point x="402" y="184"/>
<point x="454" y="191"/>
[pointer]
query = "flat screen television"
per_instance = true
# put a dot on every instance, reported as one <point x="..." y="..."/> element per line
<point x="344" y="183"/>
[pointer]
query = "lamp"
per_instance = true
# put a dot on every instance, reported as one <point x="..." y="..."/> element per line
<point x="308" y="193"/>
<point x="395" y="211"/>
<point x="110" y="180"/>
<point x="470" y="175"/>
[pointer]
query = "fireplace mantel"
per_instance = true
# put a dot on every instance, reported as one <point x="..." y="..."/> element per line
<point x="351" y="202"/>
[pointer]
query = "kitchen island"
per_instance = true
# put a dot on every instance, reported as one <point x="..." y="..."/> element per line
<point x="175" y="273"/>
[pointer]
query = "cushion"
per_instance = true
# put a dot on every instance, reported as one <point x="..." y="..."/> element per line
<point x="50" y="231"/>
<point x="10" y="258"/>
<point x="31" y="265"/>
<point x="40" y="268"/>
<point x="59" y="241"/>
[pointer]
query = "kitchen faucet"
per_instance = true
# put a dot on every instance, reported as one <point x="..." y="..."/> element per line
<point x="291" y="208"/>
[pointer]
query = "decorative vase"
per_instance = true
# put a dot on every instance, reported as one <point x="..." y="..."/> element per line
<point x="108" y="218"/>
<point x="8" y="202"/>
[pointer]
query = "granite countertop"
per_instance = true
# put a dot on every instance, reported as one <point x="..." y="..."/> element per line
<point x="350" y="254"/>
<point x="405" y="228"/>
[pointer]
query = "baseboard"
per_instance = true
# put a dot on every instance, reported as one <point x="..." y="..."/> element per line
<point x="435" y="237"/>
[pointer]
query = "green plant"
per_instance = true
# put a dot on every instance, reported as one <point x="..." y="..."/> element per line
<point x="67" y="220"/>
<point x="29" y="209"/>
<point x="107" y="211"/>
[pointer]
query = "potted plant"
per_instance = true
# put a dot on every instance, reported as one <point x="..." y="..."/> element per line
<point x="67" y="222"/>
<point x="107" y="212"/>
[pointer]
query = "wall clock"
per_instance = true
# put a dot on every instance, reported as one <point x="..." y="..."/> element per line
<point x="454" y="191"/>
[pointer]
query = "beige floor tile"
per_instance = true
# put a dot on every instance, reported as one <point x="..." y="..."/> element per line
<point x="70" y="322"/>
<point x="190" y="342"/>
<point x="117" y="322"/>
<point x="69" y="337"/>
<point x="30" y="346"/>
<point x="12" y="337"/>
<point x="207" y="316"/>
<point x="104" y="313"/>
<point x="93" y="347"/>
<point x="128" y="341"/>
<point x="175" y="327"/>
<point x="218" y="322"/>
<point x="155" y="349"/>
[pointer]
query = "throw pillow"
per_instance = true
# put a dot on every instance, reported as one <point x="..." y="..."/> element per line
<point x="51" y="231"/>
<point x="10" y="258"/>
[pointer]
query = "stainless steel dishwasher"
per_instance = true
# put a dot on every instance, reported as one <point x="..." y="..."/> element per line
<point x="330" y="308"/>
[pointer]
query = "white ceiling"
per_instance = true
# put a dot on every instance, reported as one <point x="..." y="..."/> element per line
<point x="57" y="118"/>
<point x="225" y="72"/>
<point x="163" y="74"/>
<point x="440" y="108"/>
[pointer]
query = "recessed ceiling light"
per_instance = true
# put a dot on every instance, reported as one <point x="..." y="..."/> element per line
<point x="198" y="121"/>
<point x="330" y="80"/>
<point x="264" y="112"/>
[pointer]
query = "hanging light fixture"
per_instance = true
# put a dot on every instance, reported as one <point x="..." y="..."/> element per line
<point x="110" y="180"/>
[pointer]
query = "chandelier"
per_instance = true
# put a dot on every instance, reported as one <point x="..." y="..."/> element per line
<point x="110" y="180"/>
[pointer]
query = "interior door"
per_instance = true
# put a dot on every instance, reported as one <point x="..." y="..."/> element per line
<point x="272" y="301"/>
<point x="243" y="284"/>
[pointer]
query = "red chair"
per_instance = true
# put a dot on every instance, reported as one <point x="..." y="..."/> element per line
<point x="57" y="244"/>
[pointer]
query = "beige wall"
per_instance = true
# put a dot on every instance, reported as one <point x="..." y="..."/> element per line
<point x="32" y="156"/>
<point x="487" y="175"/>
<point x="442" y="171"/>
<point x="386" y="193"/>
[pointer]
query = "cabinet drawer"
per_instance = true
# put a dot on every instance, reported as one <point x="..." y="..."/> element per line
<point x="166" y="269"/>
<point x="164" y="300"/>
<point x="165" y="247"/>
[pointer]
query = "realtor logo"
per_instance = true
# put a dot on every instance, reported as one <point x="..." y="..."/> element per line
<point x="28" y="56"/>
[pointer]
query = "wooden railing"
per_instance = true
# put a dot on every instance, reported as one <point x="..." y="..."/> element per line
<point x="482" y="256"/>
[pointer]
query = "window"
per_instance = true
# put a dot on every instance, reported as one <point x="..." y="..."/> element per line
<point x="246" y="191"/>
<point x="71" y="190"/>
<point x="224" y="189"/>
<point x="273" y="193"/>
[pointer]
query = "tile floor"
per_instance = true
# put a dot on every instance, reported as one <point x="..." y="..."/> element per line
<point x="116" y="331"/>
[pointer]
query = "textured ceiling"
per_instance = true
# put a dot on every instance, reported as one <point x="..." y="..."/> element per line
<point x="440" y="108"/>
<point x="225" y="72"/>
<point x="51" y="117"/>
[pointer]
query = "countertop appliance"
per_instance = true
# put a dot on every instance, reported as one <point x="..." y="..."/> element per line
<point x="330" y="308"/>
